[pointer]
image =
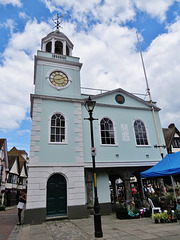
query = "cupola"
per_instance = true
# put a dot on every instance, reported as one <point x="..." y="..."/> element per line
<point x="57" y="42"/>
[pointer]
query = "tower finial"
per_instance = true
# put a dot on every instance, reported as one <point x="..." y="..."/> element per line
<point x="57" y="22"/>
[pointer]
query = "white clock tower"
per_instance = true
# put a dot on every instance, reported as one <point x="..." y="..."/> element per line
<point x="56" y="186"/>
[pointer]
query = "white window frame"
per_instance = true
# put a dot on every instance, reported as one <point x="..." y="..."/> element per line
<point x="49" y="134"/>
<point x="147" y="135"/>
<point x="114" y="129"/>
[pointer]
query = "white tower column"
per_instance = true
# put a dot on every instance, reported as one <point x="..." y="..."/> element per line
<point x="44" y="47"/>
<point x="64" y="47"/>
<point x="53" y="45"/>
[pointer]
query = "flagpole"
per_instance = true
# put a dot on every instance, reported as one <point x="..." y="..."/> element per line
<point x="149" y="93"/>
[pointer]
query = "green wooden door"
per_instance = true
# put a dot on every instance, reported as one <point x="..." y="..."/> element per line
<point x="56" y="196"/>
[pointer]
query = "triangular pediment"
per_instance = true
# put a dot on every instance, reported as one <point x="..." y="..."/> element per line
<point x="122" y="98"/>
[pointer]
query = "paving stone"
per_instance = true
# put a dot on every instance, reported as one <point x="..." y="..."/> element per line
<point x="83" y="229"/>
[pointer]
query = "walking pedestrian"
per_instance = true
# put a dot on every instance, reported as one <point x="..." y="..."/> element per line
<point x="21" y="204"/>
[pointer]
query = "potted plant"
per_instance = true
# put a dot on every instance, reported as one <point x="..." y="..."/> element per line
<point x="156" y="217"/>
<point x="161" y="218"/>
<point x="164" y="217"/>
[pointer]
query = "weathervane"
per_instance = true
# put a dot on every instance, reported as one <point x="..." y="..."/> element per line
<point x="57" y="22"/>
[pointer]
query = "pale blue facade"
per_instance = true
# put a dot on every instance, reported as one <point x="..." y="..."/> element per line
<point x="64" y="151"/>
<point x="128" y="150"/>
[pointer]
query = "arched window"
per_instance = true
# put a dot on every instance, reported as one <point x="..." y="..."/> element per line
<point x="140" y="133"/>
<point x="58" y="47"/>
<point x="107" y="131"/>
<point x="48" y="47"/>
<point x="57" y="128"/>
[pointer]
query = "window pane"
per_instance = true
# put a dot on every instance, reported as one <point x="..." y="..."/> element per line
<point x="58" y="122"/>
<point x="52" y="138"/>
<point x="62" y="138"/>
<point x="106" y="126"/>
<point x="62" y="131"/>
<point x="52" y="122"/>
<point x="53" y="130"/>
<point x="57" y="138"/>
<point x="57" y="131"/>
<point x="112" y="141"/>
<point x="62" y="123"/>
<point x="102" y="127"/>
<point x="103" y="140"/>
<point x="102" y="134"/>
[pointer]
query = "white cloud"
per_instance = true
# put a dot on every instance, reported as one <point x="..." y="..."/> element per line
<point x="9" y="24"/>
<point x="29" y="40"/>
<point x="109" y="56"/>
<point x="116" y="11"/>
<point x="23" y="132"/>
<point x="155" y="8"/>
<point x="162" y="61"/>
<point x="17" y="73"/>
<point x="50" y="5"/>
<point x="17" y="3"/>
<point x="110" y="10"/>
<point x="23" y="15"/>
<point x="86" y="11"/>
<point x="11" y="114"/>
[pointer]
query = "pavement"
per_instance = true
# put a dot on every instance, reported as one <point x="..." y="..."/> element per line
<point x="83" y="229"/>
<point x="8" y="219"/>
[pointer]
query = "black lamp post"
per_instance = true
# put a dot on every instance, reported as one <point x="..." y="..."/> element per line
<point x="89" y="104"/>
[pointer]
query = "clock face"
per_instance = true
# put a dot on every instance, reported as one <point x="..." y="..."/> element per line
<point x="58" y="79"/>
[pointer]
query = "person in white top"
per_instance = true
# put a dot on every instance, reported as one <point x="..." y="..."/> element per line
<point x="150" y="189"/>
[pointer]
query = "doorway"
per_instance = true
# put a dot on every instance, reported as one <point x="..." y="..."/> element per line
<point x="56" y="196"/>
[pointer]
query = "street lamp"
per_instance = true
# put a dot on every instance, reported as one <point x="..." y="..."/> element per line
<point x="89" y="105"/>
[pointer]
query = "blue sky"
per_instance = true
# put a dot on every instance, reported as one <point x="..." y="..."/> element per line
<point x="104" y="36"/>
